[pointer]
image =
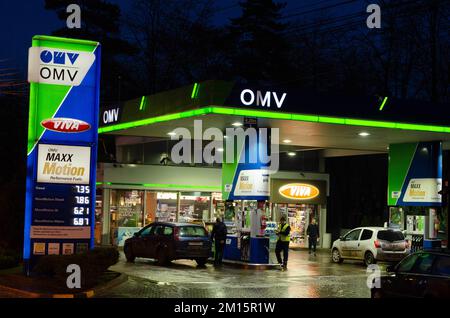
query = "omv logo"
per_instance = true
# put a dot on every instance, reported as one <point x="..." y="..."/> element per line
<point x="59" y="66"/>
<point x="59" y="58"/>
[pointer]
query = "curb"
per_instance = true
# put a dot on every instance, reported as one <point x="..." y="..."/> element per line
<point x="86" y="294"/>
<point x="244" y="265"/>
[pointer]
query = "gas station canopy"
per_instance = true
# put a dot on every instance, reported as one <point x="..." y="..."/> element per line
<point x="356" y="123"/>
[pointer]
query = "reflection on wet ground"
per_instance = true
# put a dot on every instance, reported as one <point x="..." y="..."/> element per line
<point x="308" y="276"/>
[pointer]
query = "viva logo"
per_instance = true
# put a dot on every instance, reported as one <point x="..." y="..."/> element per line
<point x="299" y="191"/>
<point x="65" y="125"/>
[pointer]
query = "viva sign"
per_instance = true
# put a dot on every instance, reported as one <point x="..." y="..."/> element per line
<point x="415" y="174"/>
<point x="64" y="76"/>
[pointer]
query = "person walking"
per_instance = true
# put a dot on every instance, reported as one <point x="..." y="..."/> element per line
<point x="313" y="235"/>
<point x="284" y="238"/>
<point x="219" y="235"/>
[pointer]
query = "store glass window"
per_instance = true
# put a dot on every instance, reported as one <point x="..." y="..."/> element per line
<point x="218" y="205"/>
<point x="126" y="214"/>
<point x="299" y="217"/>
<point x="194" y="206"/>
<point x="166" y="206"/>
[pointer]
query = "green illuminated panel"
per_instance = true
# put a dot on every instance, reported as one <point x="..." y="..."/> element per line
<point x="259" y="114"/>
<point x="369" y="123"/>
<point x="223" y="111"/>
<point x="331" y="120"/>
<point x="143" y="104"/>
<point x="421" y="127"/>
<point x="383" y="103"/>
<point x="195" y="91"/>
<point x="163" y="186"/>
<point x="275" y="115"/>
<point x="310" y="118"/>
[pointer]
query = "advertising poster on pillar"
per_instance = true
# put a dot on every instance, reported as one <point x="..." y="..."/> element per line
<point x="415" y="174"/>
<point x="244" y="179"/>
<point x="64" y="79"/>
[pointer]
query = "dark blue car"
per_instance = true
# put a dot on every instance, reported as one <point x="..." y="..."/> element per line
<point x="165" y="242"/>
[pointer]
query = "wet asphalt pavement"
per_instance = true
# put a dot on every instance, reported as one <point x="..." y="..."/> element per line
<point x="307" y="277"/>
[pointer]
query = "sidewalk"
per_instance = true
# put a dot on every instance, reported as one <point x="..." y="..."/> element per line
<point x="14" y="284"/>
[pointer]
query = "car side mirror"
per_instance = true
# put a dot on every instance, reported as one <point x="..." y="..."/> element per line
<point x="390" y="269"/>
<point x="136" y="234"/>
<point x="341" y="238"/>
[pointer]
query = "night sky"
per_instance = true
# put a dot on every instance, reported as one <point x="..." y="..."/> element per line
<point x="21" y="19"/>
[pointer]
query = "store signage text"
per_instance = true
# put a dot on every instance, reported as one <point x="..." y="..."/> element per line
<point x="111" y="116"/>
<point x="263" y="99"/>
<point x="65" y="125"/>
<point x="61" y="67"/>
<point x="299" y="191"/>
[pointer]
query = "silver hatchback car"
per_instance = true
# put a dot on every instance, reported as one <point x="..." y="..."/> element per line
<point x="370" y="244"/>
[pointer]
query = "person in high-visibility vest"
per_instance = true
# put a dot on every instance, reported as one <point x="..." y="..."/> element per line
<point x="284" y="238"/>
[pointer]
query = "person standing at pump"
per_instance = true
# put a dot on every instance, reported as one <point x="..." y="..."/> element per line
<point x="219" y="235"/>
<point x="284" y="238"/>
<point x="313" y="235"/>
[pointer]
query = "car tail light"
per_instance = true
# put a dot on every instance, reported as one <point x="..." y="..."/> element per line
<point x="176" y="234"/>
<point x="377" y="244"/>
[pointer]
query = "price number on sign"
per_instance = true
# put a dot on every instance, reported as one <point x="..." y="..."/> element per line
<point x="81" y="200"/>
<point x="81" y="221"/>
<point x="80" y="189"/>
<point x="81" y="210"/>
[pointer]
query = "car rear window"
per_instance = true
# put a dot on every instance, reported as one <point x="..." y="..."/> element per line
<point x="424" y="263"/>
<point x="192" y="231"/>
<point x="442" y="266"/>
<point x="390" y="236"/>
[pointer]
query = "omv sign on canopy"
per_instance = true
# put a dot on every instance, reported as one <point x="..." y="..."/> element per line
<point x="58" y="66"/>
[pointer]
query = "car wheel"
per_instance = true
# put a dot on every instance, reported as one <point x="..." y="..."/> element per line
<point x="162" y="257"/>
<point x="201" y="261"/>
<point x="129" y="254"/>
<point x="336" y="256"/>
<point x="369" y="259"/>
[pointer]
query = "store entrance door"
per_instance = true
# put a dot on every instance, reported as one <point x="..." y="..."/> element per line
<point x="299" y="217"/>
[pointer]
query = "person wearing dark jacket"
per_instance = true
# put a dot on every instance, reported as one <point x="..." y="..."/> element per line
<point x="284" y="238"/>
<point x="219" y="235"/>
<point x="313" y="235"/>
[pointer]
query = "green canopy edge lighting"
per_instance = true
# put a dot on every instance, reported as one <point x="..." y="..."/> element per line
<point x="160" y="185"/>
<point x="195" y="90"/>
<point x="143" y="104"/>
<point x="65" y="40"/>
<point x="275" y="115"/>
<point x="383" y="103"/>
